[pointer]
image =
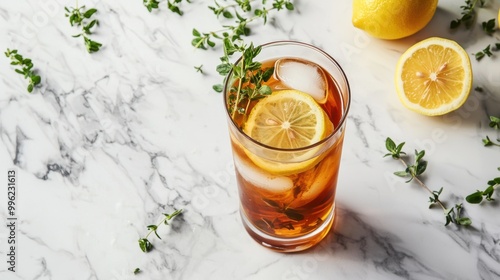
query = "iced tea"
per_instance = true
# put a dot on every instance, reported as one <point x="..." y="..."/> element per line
<point x="287" y="196"/>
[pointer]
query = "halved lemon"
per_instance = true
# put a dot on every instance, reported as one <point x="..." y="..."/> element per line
<point x="434" y="76"/>
<point x="287" y="119"/>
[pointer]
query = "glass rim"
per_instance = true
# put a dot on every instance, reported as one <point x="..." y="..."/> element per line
<point x="343" y="119"/>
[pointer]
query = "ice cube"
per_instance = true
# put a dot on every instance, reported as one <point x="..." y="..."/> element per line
<point x="260" y="178"/>
<point x="302" y="75"/>
<point x="324" y="178"/>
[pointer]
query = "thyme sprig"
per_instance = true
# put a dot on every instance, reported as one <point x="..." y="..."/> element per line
<point x="78" y="16"/>
<point x="468" y="14"/>
<point x="453" y="214"/>
<point x="26" y="68"/>
<point x="489" y="26"/>
<point x="248" y="77"/>
<point x="487" y="51"/>
<point x="243" y="13"/>
<point x="173" y="5"/>
<point x="477" y="197"/>
<point x="494" y="123"/>
<point x="144" y="242"/>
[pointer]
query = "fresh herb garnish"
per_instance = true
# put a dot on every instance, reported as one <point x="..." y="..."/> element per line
<point x="199" y="69"/>
<point x="144" y="243"/>
<point x="248" y="77"/>
<point x="477" y="197"/>
<point x="494" y="123"/>
<point x="243" y="13"/>
<point x="173" y="5"/>
<point x="453" y="214"/>
<point x="468" y="14"/>
<point x="137" y="271"/>
<point x="489" y="26"/>
<point x="486" y="51"/>
<point x="26" y="68"/>
<point x="78" y="16"/>
<point x="488" y="142"/>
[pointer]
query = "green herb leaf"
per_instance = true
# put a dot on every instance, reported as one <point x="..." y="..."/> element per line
<point x="475" y="198"/>
<point x="217" y="88"/>
<point x="145" y="245"/>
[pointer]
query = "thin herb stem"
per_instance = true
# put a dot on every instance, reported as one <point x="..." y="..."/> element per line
<point x="240" y="84"/>
<point x="422" y="184"/>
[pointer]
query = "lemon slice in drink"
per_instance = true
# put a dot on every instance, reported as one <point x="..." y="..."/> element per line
<point x="434" y="77"/>
<point x="287" y="119"/>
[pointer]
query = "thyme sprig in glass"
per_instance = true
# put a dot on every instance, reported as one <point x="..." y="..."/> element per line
<point x="248" y="76"/>
<point x="413" y="171"/>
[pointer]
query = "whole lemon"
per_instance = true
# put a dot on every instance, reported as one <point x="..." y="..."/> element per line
<point x="392" y="19"/>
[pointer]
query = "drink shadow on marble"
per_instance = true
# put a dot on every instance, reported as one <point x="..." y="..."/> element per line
<point x="287" y="195"/>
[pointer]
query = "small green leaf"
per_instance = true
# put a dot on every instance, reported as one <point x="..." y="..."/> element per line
<point x="464" y="221"/>
<point x="152" y="227"/>
<point x="227" y="14"/>
<point x="475" y="198"/>
<point x="390" y="145"/>
<point x="265" y="90"/>
<point x="145" y="245"/>
<point x="36" y="80"/>
<point x="89" y="13"/>
<point x="217" y="87"/>
<point x="401" y="173"/>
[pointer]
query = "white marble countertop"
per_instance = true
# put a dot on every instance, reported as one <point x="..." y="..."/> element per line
<point x="111" y="140"/>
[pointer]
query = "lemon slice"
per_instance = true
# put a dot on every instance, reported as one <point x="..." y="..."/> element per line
<point x="287" y="119"/>
<point x="434" y="77"/>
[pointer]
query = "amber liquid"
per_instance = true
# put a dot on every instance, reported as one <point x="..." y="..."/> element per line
<point x="305" y="207"/>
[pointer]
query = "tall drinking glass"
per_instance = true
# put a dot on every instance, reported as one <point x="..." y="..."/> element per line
<point x="287" y="192"/>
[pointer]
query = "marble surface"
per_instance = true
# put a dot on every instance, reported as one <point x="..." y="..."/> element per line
<point x="112" y="140"/>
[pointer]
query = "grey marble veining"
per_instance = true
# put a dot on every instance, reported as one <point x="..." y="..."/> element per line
<point x="112" y="140"/>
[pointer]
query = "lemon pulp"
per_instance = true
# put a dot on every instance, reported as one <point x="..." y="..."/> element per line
<point x="287" y="119"/>
<point x="434" y="76"/>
